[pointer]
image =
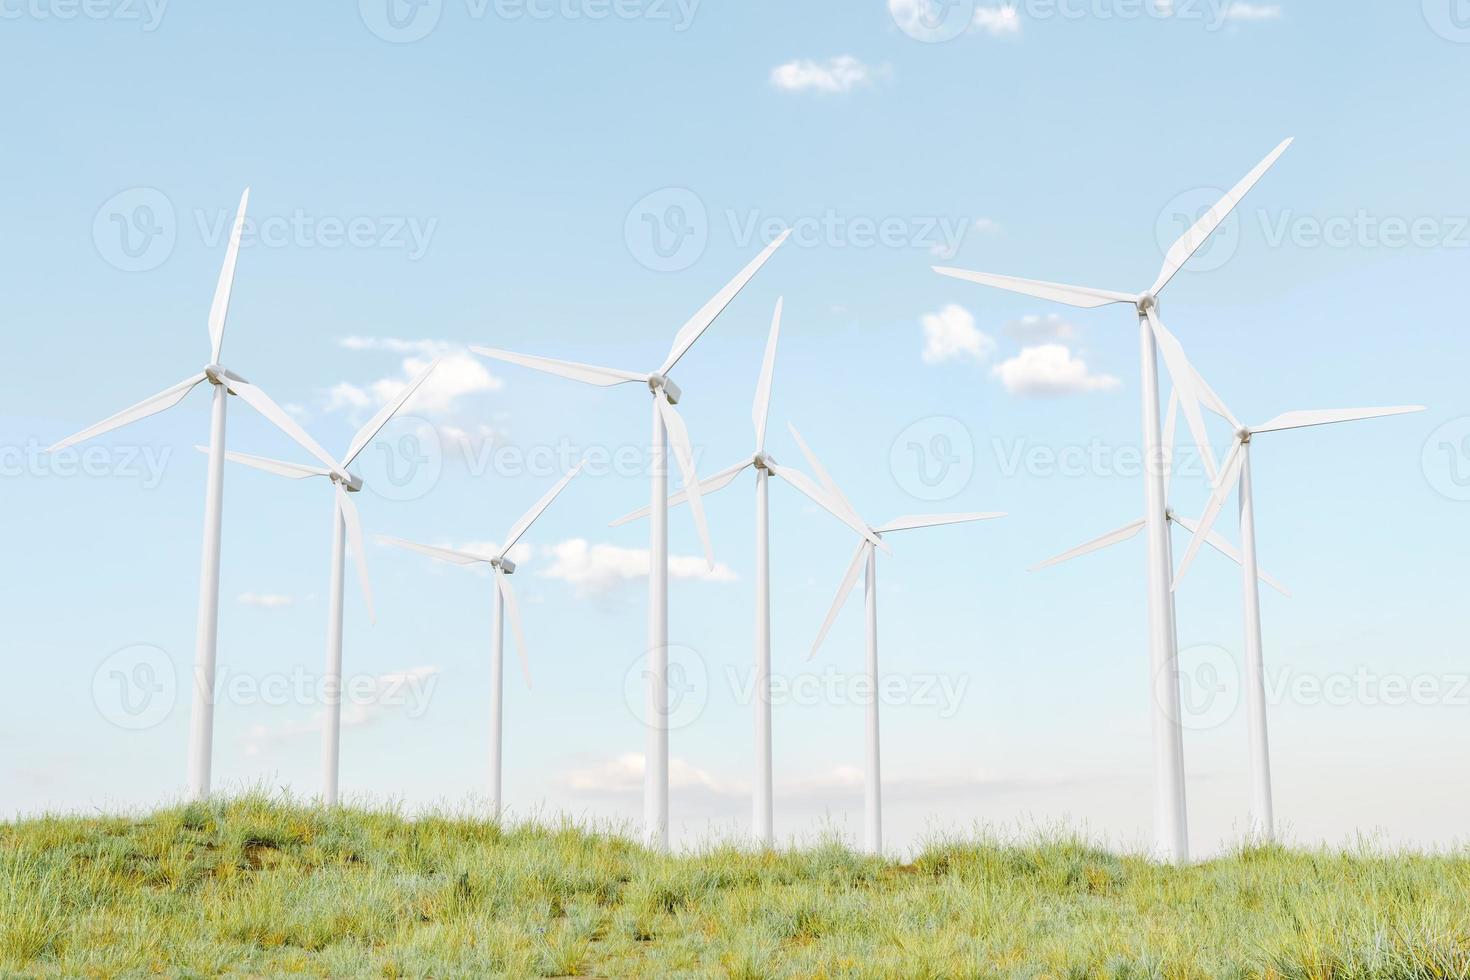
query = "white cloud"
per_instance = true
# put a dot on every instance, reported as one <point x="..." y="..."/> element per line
<point x="364" y="702"/>
<point x="1050" y="369"/>
<point x="597" y="569"/>
<point x="623" y="776"/>
<point x="1238" y="12"/>
<point x="998" y="21"/>
<point x="951" y="334"/>
<point x="266" y="600"/>
<point x="1033" y="328"/>
<point x="988" y="226"/>
<point x="835" y="75"/>
<point x="459" y="375"/>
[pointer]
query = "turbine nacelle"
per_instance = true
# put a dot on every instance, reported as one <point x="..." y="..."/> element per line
<point x="659" y="381"/>
<point x="762" y="461"/>
<point x="1147" y="302"/>
<point x="348" y="481"/>
<point x="504" y="564"/>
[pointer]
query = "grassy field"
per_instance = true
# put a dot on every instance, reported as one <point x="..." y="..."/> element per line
<point x="255" y="887"/>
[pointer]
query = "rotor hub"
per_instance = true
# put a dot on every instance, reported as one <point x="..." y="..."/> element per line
<point x="504" y="564"/>
<point x="352" y="484"/>
<point x="1146" y="302"/>
<point x="762" y="462"/>
<point x="215" y="373"/>
<point x="658" y="382"/>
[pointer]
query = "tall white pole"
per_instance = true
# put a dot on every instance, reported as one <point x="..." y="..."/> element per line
<point x="1263" y="820"/>
<point x="332" y="682"/>
<point x="656" y="764"/>
<point x="1171" y="833"/>
<point x="201" y="728"/>
<point x="497" y="697"/>
<point x="763" y="817"/>
<point x="873" y="789"/>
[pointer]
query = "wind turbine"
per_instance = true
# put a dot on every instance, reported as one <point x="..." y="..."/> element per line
<point x="505" y="602"/>
<point x="1130" y="531"/>
<point x="668" y="426"/>
<point x="225" y="382"/>
<point x="762" y="819"/>
<point x="1237" y="471"/>
<point x="866" y="557"/>
<point x="345" y="524"/>
<point x="1171" y="822"/>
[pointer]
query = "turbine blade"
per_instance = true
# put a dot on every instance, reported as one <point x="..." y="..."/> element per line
<point x="700" y="322"/>
<point x="805" y="486"/>
<point x="443" y="554"/>
<point x="719" y="481"/>
<point x="829" y="484"/>
<point x="278" y="417"/>
<point x="1182" y="373"/>
<point x="684" y="453"/>
<point x="1218" y="542"/>
<point x="359" y="549"/>
<point x="385" y="414"/>
<point x="219" y="311"/>
<point x="854" y="569"/>
<point x="149" y="406"/>
<point x="1302" y="420"/>
<point x="586" y="373"/>
<point x="1191" y="240"/>
<point x="1207" y="520"/>
<point x="1122" y="534"/>
<point x="291" y="471"/>
<point x="1213" y="401"/>
<point x="524" y="524"/>
<point x="513" y="613"/>
<point x="762" y="410"/>
<point x="1084" y="297"/>
<point x="933" y="520"/>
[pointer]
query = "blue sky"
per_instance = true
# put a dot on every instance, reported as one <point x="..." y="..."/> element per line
<point x="575" y="179"/>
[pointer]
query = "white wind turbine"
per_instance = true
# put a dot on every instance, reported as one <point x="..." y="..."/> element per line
<point x="346" y="525"/>
<point x="225" y="382"/>
<point x="866" y="557"/>
<point x="668" y="427"/>
<point x="1130" y="531"/>
<point x="505" y="603"/>
<point x="1237" y="471"/>
<point x="763" y="817"/>
<point x="1171" y="823"/>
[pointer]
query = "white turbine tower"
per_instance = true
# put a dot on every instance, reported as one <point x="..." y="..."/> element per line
<point x="1171" y="823"/>
<point x="1130" y="531"/>
<point x="763" y="816"/>
<point x="866" y="558"/>
<point x="668" y="427"/>
<point x="225" y="382"/>
<point x="346" y="526"/>
<point x="505" y="604"/>
<point x="1237" y="471"/>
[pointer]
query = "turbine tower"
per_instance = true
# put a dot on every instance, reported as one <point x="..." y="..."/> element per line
<point x="1171" y="819"/>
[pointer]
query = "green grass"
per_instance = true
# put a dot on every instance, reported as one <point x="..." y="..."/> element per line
<point x="260" y="887"/>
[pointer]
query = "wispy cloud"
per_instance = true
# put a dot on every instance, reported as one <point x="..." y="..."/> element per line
<point x="406" y="692"/>
<point x="460" y="375"/>
<point x="1049" y="370"/>
<point x="598" y="569"/>
<point x="833" y="76"/>
<point x="1247" y="12"/>
<point x="266" y="600"/>
<point x="623" y="776"/>
<point x="999" y="21"/>
<point x="1034" y="329"/>
<point x="951" y="335"/>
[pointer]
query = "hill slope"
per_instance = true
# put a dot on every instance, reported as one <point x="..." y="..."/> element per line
<point x="255" y="887"/>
